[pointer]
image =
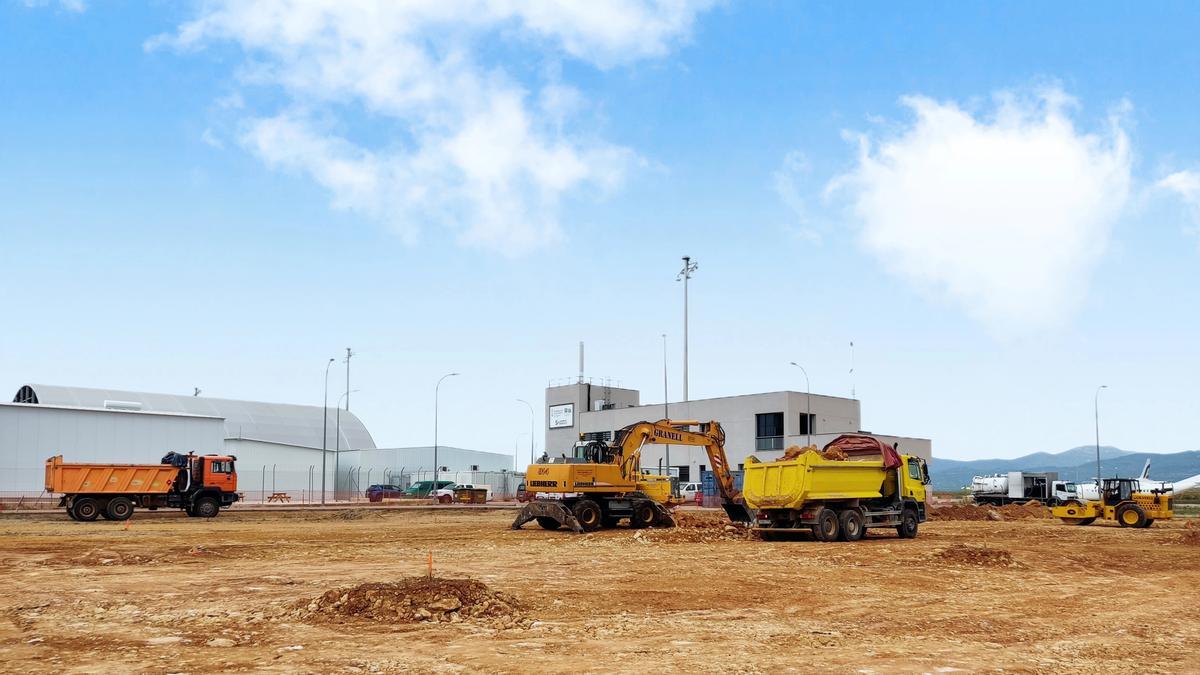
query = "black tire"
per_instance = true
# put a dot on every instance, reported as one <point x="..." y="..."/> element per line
<point x="206" y="507"/>
<point x="826" y="528"/>
<point x="86" y="509"/>
<point x="548" y="523"/>
<point x="118" y="508"/>
<point x="907" y="529"/>
<point x="588" y="513"/>
<point x="1131" y="515"/>
<point x="850" y="525"/>
<point x="71" y="514"/>
<point x="1149" y="522"/>
<point x="643" y="515"/>
<point x="444" y="499"/>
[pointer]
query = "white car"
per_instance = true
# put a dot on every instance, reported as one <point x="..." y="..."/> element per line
<point x="688" y="491"/>
<point x="446" y="494"/>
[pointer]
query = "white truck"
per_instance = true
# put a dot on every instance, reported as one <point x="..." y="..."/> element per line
<point x="1022" y="486"/>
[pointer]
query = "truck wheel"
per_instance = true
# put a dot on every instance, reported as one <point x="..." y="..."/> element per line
<point x="71" y="513"/>
<point x="1131" y="515"/>
<point x="826" y="528"/>
<point x="118" y="508"/>
<point x="86" y="509"/>
<point x="206" y="507"/>
<point x="643" y="515"/>
<point x="1149" y="522"/>
<point x="907" y="529"/>
<point x="587" y="512"/>
<point x="851" y="525"/>
<point x="444" y="499"/>
<point x="548" y="523"/>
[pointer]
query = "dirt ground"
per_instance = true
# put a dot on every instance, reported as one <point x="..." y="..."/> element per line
<point x="249" y="592"/>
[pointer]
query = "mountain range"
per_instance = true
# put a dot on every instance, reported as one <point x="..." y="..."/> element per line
<point x="1075" y="464"/>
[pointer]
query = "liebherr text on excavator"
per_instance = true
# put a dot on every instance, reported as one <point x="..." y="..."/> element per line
<point x="602" y="483"/>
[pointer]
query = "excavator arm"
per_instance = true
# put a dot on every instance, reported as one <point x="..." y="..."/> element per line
<point x="633" y="438"/>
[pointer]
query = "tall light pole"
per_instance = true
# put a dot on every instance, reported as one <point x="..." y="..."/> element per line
<point x="521" y="400"/>
<point x="337" y="440"/>
<point x="808" y="403"/>
<point x="666" y="407"/>
<point x="348" y="392"/>
<point x="325" y="429"/>
<point x="1097" y="402"/>
<point x="436" y="390"/>
<point x="684" y="275"/>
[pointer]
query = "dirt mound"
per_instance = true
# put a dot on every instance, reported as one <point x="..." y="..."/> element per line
<point x="420" y="599"/>
<point x="964" y="512"/>
<point x="1028" y="510"/>
<point x="975" y="556"/>
<point x="795" y="451"/>
<point x="702" y="526"/>
<point x="1191" y="533"/>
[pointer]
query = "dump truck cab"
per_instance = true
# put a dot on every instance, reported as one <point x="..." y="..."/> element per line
<point x="217" y="472"/>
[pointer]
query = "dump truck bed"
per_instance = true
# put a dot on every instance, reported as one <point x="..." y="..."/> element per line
<point x="789" y="484"/>
<point x="87" y="478"/>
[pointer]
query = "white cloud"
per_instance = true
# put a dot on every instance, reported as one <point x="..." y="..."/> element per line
<point x="1005" y="215"/>
<point x="787" y="183"/>
<point x="76" y="6"/>
<point x="475" y="148"/>
<point x="1186" y="186"/>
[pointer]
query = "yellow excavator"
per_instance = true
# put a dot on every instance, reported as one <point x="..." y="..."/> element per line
<point x="602" y="483"/>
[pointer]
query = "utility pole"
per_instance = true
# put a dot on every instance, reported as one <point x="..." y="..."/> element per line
<point x="666" y="408"/>
<point x="325" y="429"/>
<point x="852" y="369"/>
<point x="1098" y="477"/>
<point x="684" y="275"/>
<point x="436" y="390"/>
<point x="348" y="355"/>
<point x="521" y="400"/>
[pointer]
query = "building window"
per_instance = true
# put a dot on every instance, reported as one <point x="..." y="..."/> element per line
<point x="808" y="424"/>
<point x="474" y="467"/>
<point x="768" y="431"/>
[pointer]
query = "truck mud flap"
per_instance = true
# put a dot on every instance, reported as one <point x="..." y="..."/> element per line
<point x="738" y="513"/>
<point x="547" y="509"/>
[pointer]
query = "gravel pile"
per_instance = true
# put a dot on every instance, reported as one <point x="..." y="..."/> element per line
<point x="419" y="599"/>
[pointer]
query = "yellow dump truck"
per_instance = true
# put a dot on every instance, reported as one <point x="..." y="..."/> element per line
<point x="838" y="499"/>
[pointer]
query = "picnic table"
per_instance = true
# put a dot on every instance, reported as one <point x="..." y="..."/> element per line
<point x="279" y="497"/>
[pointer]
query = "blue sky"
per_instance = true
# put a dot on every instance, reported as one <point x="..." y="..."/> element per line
<point x="220" y="196"/>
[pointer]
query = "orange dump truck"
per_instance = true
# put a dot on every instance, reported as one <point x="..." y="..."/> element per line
<point x="199" y="484"/>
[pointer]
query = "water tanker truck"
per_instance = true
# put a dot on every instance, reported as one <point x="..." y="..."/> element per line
<point x="201" y="485"/>
<point x="1022" y="486"/>
<point x="856" y="482"/>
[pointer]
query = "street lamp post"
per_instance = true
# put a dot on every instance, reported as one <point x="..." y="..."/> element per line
<point x="521" y="400"/>
<point x="808" y="403"/>
<point x="337" y="440"/>
<point x="325" y="429"/>
<point x="684" y="275"/>
<point x="436" y="390"/>
<point x="1097" y="406"/>
<point x="666" y="406"/>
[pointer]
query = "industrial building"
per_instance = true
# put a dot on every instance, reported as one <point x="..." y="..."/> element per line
<point x="278" y="445"/>
<point x="755" y="424"/>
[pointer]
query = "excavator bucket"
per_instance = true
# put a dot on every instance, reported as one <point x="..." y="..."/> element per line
<point x="738" y="513"/>
<point x="551" y="511"/>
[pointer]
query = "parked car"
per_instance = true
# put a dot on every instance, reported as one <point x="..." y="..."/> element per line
<point x="378" y="493"/>
<point x="446" y="494"/>
<point x="424" y="487"/>
<point x="688" y="491"/>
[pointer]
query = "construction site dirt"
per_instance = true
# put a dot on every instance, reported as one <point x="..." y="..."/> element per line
<point x="330" y="592"/>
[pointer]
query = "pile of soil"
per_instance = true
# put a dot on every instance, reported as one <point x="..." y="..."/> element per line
<point x="795" y="451"/>
<point x="1191" y="533"/>
<point x="963" y="512"/>
<point x="418" y="599"/>
<point x="975" y="556"/>
<point x="1026" y="511"/>
<point x="703" y="527"/>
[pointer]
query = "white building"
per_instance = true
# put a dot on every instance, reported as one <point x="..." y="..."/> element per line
<point x="755" y="424"/>
<point x="278" y="445"/>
